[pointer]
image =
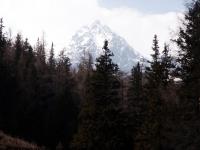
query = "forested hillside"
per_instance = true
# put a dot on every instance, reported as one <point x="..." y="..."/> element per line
<point x="46" y="101"/>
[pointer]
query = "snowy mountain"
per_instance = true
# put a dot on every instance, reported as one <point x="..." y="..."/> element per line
<point x="91" y="39"/>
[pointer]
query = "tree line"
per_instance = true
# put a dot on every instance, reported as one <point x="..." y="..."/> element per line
<point x="43" y="100"/>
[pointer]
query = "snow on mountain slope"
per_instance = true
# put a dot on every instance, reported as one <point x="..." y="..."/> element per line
<point x="91" y="39"/>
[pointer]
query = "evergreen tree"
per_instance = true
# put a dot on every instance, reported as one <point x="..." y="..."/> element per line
<point x="2" y="40"/>
<point x="85" y="69"/>
<point x="51" y="61"/>
<point x="136" y="103"/>
<point x="29" y="57"/>
<point x="167" y="66"/>
<point x="63" y="107"/>
<point x="189" y="57"/>
<point x="3" y="75"/>
<point x="101" y="109"/>
<point x="18" y="48"/>
<point x="83" y="139"/>
<point x="1" y="29"/>
<point x="136" y="91"/>
<point x="27" y="89"/>
<point x="136" y="82"/>
<point x="154" y="72"/>
<point x="33" y="105"/>
<point x="188" y="42"/>
<point x="41" y="56"/>
<point x="151" y="130"/>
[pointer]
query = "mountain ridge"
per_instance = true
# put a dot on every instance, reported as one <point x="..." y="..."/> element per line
<point x="90" y="39"/>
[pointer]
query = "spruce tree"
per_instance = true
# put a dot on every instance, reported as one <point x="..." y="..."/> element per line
<point x="102" y="111"/>
<point x="189" y="57"/>
<point x="188" y="42"/>
<point x="3" y="75"/>
<point x="1" y="29"/>
<point x="63" y="108"/>
<point x="106" y="89"/>
<point x="151" y="130"/>
<point x="40" y="56"/>
<point x="136" y="82"/>
<point x="52" y="61"/>
<point x="154" y="72"/>
<point x="83" y="139"/>
<point x="167" y="66"/>
<point x="2" y="40"/>
<point x="18" y="48"/>
<point x="136" y="103"/>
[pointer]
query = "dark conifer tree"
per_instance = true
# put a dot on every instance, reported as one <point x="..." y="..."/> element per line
<point x="2" y="40"/>
<point x="188" y="42"/>
<point x="83" y="139"/>
<point x="154" y="72"/>
<point x="3" y="74"/>
<point x="102" y="109"/>
<point x="86" y="116"/>
<point x="34" y="105"/>
<point x="136" y="82"/>
<point x="189" y="57"/>
<point x="151" y="132"/>
<point x="167" y="66"/>
<point x="136" y="104"/>
<point x="41" y="56"/>
<point x="8" y="87"/>
<point x="62" y="113"/>
<point x="18" y="48"/>
<point x="52" y="61"/>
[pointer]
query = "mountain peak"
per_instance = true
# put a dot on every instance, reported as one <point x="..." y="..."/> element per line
<point x="96" y="23"/>
<point x="91" y="39"/>
<point x="98" y="28"/>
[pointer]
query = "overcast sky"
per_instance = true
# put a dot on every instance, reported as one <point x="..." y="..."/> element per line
<point x="147" y="6"/>
<point x="136" y="20"/>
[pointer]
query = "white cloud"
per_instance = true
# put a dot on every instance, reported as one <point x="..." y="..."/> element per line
<point x="59" y="19"/>
<point x="139" y="28"/>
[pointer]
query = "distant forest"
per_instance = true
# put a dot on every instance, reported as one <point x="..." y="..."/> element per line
<point x="95" y="107"/>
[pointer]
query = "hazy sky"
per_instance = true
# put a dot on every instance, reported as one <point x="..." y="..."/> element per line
<point x="148" y="6"/>
<point x="136" y="20"/>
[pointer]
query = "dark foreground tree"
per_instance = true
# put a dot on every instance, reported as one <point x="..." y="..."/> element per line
<point x="167" y="66"/>
<point x="101" y="122"/>
<point x="137" y="104"/>
<point x="189" y="58"/>
<point x="188" y="42"/>
<point x="150" y="134"/>
<point x="38" y="100"/>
